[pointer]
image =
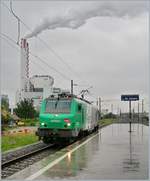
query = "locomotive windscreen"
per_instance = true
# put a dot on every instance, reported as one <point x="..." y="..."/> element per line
<point x="58" y="106"/>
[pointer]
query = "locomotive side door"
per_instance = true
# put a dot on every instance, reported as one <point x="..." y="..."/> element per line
<point x="79" y="114"/>
<point x="82" y="115"/>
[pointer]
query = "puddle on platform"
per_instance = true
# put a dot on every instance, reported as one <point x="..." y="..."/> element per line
<point x="113" y="154"/>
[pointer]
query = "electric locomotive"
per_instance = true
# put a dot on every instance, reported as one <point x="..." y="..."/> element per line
<point x="65" y="118"/>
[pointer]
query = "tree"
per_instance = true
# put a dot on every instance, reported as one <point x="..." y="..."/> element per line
<point x="5" y="116"/>
<point x="4" y="103"/>
<point x="109" y="115"/>
<point x="25" y="109"/>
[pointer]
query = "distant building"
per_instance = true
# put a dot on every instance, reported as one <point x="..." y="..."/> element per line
<point x="39" y="87"/>
<point x="36" y="87"/>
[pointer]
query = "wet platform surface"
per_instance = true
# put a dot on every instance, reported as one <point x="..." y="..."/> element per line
<point x="113" y="153"/>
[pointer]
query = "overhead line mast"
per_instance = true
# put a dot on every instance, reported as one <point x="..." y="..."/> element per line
<point x="18" y="40"/>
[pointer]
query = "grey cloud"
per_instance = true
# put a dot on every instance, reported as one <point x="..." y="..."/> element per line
<point x="103" y="51"/>
<point x="75" y="18"/>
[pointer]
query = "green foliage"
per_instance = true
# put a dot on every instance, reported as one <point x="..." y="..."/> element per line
<point x="6" y="128"/>
<point x="25" y="109"/>
<point x="5" y="116"/>
<point x="104" y="122"/>
<point x="18" y="140"/>
<point x="36" y="115"/>
<point x="30" y="122"/>
<point x="109" y="115"/>
<point x="4" y="104"/>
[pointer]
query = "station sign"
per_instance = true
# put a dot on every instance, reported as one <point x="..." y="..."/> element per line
<point x="130" y="97"/>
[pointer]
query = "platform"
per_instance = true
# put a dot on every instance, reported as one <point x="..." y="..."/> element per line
<point x="112" y="153"/>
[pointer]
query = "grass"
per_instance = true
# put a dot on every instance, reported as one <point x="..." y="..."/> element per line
<point x="104" y="122"/>
<point x="21" y="139"/>
<point x="17" y="140"/>
<point x="6" y="128"/>
<point x="30" y="122"/>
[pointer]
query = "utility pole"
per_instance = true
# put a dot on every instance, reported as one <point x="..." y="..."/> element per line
<point x="11" y="9"/>
<point x="112" y="108"/>
<point x="130" y="116"/>
<point x="142" y="109"/>
<point x="133" y="114"/>
<point x="99" y="105"/>
<point x="138" y="113"/>
<point x="120" y="113"/>
<point x="72" y="87"/>
<point x="99" y="100"/>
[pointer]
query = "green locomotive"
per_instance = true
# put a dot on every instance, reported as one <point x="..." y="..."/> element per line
<point x="66" y="118"/>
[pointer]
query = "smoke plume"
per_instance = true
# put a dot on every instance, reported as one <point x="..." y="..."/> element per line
<point x="75" y="18"/>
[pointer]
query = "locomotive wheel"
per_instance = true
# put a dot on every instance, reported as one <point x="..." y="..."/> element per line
<point x="46" y="140"/>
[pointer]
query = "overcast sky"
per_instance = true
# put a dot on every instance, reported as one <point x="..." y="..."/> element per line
<point x="104" y="43"/>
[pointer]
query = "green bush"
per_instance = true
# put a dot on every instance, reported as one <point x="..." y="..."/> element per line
<point x="109" y="115"/>
<point x="30" y="122"/>
<point x="104" y="122"/>
<point x="25" y="109"/>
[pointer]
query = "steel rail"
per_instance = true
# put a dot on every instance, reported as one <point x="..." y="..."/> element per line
<point x="26" y="155"/>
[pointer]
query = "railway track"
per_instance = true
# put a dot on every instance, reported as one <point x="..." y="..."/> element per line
<point x="21" y="154"/>
<point x="15" y="161"/>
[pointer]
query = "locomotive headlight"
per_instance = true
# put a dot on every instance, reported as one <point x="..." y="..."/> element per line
<point x="68" y="124"/>
<point x="67" y="121"/>
<point x="42" y="124"/>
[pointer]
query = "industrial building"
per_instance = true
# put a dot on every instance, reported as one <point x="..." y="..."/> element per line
<point x="36" y="87"/>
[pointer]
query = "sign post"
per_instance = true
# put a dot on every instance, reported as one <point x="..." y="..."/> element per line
<point x="72" y="87"/>
<point x="130" y="116"/>
<point x="130" y="97"/>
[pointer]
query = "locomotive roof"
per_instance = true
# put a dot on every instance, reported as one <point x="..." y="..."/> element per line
<point x="67" y="96"/>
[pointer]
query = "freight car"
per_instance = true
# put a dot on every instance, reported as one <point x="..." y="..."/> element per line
<point x="65" y="118"/>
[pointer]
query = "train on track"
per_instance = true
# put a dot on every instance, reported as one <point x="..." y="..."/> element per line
<point x="65" y="117"/>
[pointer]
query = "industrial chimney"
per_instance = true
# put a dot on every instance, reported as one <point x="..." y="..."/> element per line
<point x="36" y="87"/>
<point x="24" y="81"/>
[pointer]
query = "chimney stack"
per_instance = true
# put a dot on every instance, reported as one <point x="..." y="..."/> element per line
<point x="24" y="65"/>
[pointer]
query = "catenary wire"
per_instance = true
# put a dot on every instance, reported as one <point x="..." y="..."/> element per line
<point x="42" y="60"/>
<point x="46" y="45"/>
<point x="32" y="61"/>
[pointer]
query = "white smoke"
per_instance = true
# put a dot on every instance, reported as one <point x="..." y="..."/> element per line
<point x="75" y="18"/>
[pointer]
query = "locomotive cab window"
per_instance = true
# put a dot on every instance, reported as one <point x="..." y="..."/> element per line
<point x="58" y="106"/>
